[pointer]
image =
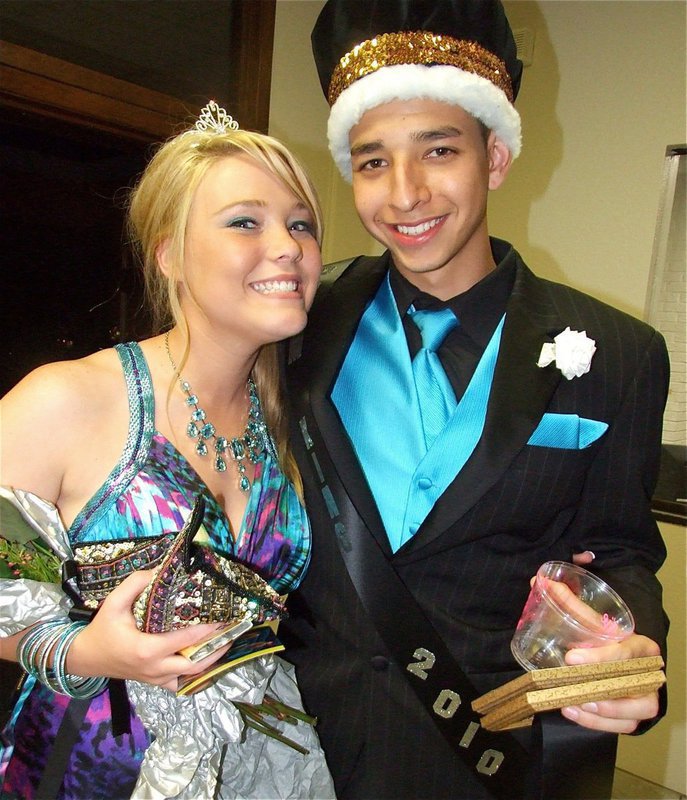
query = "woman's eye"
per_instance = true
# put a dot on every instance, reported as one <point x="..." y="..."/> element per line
<point x="302" y="226"/>
<point x="242" y="222"/>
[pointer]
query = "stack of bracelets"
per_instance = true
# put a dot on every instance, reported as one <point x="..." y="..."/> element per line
<point x="33" y="653"/>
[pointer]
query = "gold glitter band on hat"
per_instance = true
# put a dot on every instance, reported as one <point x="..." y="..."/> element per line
<point x="417" y="47"/>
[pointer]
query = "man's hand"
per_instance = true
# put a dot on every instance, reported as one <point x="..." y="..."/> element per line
<point x="623" y="714"/>
<point x="583" y="559"/>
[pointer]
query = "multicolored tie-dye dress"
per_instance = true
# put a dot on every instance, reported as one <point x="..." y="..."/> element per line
<point x="151" y="490"/>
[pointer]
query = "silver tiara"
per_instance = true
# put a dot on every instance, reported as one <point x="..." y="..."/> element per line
<point x="215" y="119"/>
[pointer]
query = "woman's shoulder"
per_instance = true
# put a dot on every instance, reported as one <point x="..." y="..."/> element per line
<point x="50" y="417"/>
<point x="62" y="401"/>
<point x="60" y="385"/>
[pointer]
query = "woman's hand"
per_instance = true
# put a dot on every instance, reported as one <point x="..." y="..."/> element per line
<point x="111" y="645"/>
<point x="623" y="714"/>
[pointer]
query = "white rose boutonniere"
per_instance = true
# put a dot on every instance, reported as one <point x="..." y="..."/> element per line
<point x="571" y="350"/>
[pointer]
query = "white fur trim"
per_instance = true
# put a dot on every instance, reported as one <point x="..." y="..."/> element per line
<point x="477" y="95"/>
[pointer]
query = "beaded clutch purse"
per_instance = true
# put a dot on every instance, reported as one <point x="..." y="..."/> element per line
<point x="99" y="567"/>
<point x="191" y="584"/>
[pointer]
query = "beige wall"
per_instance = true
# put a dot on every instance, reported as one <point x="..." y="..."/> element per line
<point x="659" y="756"/>
<point x="603" y="98"/>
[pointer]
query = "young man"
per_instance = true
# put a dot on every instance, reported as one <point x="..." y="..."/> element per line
<point x="444" y="456"/>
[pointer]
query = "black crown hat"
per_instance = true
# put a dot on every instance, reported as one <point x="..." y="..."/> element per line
<point x="370" y="52"/>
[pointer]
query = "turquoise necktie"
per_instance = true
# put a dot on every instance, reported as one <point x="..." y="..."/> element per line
<point x="435" y="395"/>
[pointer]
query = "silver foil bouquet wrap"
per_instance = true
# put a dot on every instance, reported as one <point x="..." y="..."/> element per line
<point x="33" y="525"/>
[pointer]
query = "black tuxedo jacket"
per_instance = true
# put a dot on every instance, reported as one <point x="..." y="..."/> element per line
<point x="512" y="507"/>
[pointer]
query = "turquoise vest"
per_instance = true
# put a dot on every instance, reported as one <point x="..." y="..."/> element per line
<point x="377" y="401"/>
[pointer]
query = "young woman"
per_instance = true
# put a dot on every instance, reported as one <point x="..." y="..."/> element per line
<point x="228" y="228"/>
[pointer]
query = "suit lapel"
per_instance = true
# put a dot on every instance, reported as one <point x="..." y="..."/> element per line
<point x="520" y="394"/>
<point x="326" y="341"/>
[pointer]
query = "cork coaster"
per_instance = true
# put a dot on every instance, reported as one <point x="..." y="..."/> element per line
<point x="513" y="704"/>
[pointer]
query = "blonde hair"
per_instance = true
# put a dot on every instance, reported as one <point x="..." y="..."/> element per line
<point x="158" y="212"/>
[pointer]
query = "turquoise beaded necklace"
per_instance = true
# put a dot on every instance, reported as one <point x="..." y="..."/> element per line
<point x="246" y="447"/>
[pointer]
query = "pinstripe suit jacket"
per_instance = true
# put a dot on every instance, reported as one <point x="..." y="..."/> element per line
<point x="512" y="507"/>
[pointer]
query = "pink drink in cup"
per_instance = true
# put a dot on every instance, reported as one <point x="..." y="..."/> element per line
<point x="567" y="607"/>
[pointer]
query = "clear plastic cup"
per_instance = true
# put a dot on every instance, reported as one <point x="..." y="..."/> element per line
<point x="567" y="607"/>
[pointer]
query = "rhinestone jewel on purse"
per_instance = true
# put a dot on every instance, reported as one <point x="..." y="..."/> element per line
<point x="194" y="584"/>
